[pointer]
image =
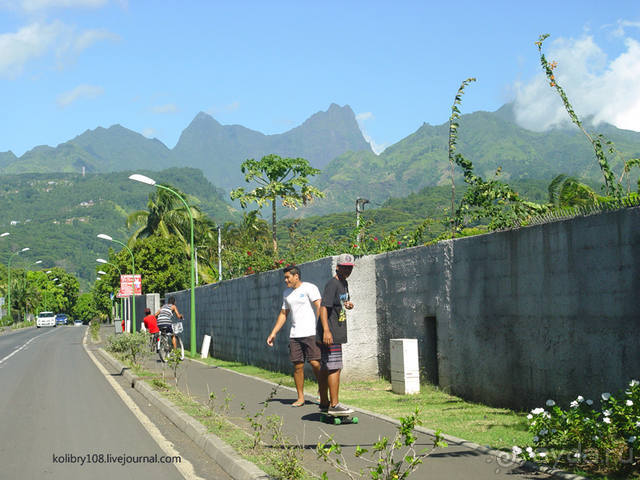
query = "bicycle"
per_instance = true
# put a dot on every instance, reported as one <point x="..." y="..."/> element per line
<point x="164" y="343"/>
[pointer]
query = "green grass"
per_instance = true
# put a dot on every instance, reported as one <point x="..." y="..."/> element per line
<point x="499" y="428"/>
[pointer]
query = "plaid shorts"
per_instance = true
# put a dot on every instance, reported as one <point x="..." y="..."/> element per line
<point x="331" y="356"/>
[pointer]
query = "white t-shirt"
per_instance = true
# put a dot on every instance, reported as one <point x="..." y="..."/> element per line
<point x="300" y="303"/>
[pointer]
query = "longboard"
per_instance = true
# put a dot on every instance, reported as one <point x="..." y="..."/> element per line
<point x="338" y="419"/>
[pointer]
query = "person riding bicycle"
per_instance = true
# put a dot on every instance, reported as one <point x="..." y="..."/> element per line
<point x="150" y="322"/>
<point x="165" y="318"/>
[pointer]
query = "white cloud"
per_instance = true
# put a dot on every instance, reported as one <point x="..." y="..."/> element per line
<point x="605" y="90"/>
<point x="167" y="108"/>
<point x="32" y="41"/>
<point x="377" y="148"/>
<point x="231" y="107"/>
<point x="150" y="132"/>
<point x="38" y="5"/>
<point x="621" y="25"/>
<point x="40" y="39"/>
<point x="80" y="92"/>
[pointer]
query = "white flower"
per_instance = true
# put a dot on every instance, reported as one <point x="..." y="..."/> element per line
<point x="629" y="403"/>
<point x="606" y="396"/>
<point x="606" y="420"/>
<point x="637" y="424"/>
<point x="580" y="398"/>
<point x="544" y="431"/>
<point x="543" y="454"/>
<point x="529" y="416"/>
<point x="628" y="392"/>
<point x="631" y="439"/>
<point x="529" y="450"/>
<point x="546" y="414"/>
<point x="573" y="404"/>
<point x="634" y="383"/>
<point x="535" y="439"/>
<point x="516" y="450"/>
<point x="550" y="403"/>
<point x="589" y="402"/>
<point x="576" y="455"/>
<point x="607" y="413"/>
<point x="596" y="438"/>
<point x="537" y="411"/>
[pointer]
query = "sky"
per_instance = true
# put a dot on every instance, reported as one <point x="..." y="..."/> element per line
<point x="71" y="65"/>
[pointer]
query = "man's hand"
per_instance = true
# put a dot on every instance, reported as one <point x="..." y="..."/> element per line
<point x="270" y="339"/>
<point x="327" y="338"/>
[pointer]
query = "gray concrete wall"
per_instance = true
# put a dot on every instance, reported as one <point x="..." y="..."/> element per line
<point x="509" y="319"/>
<point x="542" y="312"/>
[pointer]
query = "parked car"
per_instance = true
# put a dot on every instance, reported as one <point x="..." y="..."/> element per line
<point x="77" y="322"/>
<point x="46" y="319"/>
<point x="62" y="319"/>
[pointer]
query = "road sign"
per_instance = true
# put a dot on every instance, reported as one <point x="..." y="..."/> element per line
<point x="129" y="285"/>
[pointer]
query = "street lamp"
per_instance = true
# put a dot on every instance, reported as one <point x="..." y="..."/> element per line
<point x="149" y="181"/>
<point x="101" y="272"/>
<point x="25" y="249"/>
<point x="133" y="268"/>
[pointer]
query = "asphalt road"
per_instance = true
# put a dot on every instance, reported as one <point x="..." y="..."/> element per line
<point x="60" y="418"/>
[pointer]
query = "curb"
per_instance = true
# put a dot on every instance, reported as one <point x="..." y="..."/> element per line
<point x="501" y="456"/>
<point x="223" y="454"/>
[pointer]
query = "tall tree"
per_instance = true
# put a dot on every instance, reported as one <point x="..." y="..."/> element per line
<point x="277" y="177"/>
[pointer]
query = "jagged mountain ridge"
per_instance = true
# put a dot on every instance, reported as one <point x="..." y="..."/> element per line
<point x="216" y="149"/>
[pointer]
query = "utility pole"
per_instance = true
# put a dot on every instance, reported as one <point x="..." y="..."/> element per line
<point x="219" y="253"/>
<point x="360" y="203"/>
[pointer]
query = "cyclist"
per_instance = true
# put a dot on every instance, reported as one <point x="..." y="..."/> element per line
<point x="165" y="318"/>
<point x="150" y="322"/>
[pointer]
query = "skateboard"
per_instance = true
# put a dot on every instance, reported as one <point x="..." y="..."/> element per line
<point x="338" y="419"/>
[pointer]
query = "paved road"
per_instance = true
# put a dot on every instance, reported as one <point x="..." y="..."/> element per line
<point x="56" y="406"/>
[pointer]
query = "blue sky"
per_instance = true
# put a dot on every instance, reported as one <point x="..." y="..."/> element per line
<point x="71" y="65"/>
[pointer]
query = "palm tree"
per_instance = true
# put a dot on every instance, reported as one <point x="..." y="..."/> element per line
<point x="566" y="191"/>
<point x="166" y="216"/>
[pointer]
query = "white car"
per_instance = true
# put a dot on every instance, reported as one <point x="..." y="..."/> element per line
<point x="46" y="319"/>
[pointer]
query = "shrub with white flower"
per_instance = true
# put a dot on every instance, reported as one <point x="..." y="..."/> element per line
<point x="577" y="435"/>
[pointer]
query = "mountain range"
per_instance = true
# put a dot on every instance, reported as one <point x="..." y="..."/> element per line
<point x="218" y="150"/>
<point x="332" y="141"/>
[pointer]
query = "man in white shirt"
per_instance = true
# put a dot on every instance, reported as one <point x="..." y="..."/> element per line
<point x="302" y="299"/>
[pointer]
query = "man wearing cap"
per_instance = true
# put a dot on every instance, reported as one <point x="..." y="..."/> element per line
<point x="332" y="333"/>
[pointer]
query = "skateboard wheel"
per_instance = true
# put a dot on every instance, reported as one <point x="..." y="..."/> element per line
<point x="337" y="421"/>
<point x="354" y="420"/>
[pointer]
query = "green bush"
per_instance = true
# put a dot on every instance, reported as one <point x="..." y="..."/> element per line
<point x="132" y="346"/>
<point x="600" y="440"/>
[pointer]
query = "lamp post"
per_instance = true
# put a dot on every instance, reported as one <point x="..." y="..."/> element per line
<point x="152" y="182"/>
<point x="133" y="271"/>
<point x="102" y="272"/>
<point x="103" y="261"/>
<point x="25" y="249"/>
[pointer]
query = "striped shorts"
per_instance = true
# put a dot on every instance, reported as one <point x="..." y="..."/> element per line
<point x="331" y="356"/>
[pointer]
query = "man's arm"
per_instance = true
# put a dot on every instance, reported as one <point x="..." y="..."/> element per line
<point x="327" y="337"/>
<point x="175" y="310"/>
<point x="280" y="321"/>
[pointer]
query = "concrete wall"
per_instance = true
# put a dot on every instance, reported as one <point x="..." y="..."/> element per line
<point x="510" y="319"/>
<point x="542" y="312"/>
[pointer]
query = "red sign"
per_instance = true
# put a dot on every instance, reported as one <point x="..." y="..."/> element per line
<point x="130" y="285"/>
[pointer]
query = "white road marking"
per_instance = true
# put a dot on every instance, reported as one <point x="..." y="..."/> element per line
<point x="184" y="467"/>
<point x="23" y="346"/>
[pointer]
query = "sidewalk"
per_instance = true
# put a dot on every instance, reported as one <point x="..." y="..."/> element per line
<point x="303" y="425"/>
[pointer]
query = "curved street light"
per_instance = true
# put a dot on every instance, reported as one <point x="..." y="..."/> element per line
<point x="150" y="181"/>
<point x="133" y="268"/>
<point x="25" y="249"/>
